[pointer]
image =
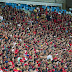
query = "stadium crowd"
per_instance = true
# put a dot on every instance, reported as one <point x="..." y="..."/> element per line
<point x="37" y="43"/>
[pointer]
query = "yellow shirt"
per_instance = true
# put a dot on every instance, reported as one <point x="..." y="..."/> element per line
<point x="35" y="10"/>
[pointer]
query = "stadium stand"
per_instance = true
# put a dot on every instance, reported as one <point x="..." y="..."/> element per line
<point x="35" y="38"/>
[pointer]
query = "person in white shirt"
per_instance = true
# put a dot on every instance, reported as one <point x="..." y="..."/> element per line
<point x="49" y="57"/>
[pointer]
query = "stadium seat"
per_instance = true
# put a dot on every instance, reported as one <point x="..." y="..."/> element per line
<point x="26" y="7"/>
<point x="52" y="7"/>
<point x="44" y="7"/>
<point x="48" y="7"/>
<point x="57" y="7"/>
<point x="61" y="11"/>
<point x="7" y="3"/>
<point x="18" y="7"/>
<point x="15" y="4"/>
<point x="53" y="10"/>
<point x="21" y="5"/>
<point x="64" y="11"/>
<point x="57" y="10"/>
<point x="31" y="8"/>
<point x="12" y="4"/>
<point x="34" y="8"/>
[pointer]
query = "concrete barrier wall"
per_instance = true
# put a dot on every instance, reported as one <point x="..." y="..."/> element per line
<point x="52" y="1"/>
<point x="49" y="1"/>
